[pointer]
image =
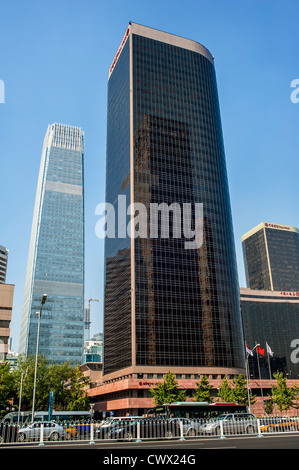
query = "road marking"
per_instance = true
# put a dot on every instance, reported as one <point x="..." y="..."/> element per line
<point x="221" y="447"/>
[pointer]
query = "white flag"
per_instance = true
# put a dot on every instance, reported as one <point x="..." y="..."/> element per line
<point x="269" y="350"/>
<point x="248" y="350"/>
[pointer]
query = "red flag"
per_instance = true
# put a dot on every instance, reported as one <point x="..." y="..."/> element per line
<point x="261" y="351"/>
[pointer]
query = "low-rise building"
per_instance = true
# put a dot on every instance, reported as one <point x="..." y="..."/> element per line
<point x="131" y="394"/>
<point x="6" y="303"/>
<point x="271" y="318"/>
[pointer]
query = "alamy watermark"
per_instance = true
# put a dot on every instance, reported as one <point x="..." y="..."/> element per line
<point x="295" y="353"/>
<point x="187" y="221"/>
<point x="295" y="93"/>
<point x="2" y="91"/>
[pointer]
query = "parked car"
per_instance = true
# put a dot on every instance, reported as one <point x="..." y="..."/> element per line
<point x="52" y="431"/>
<point x="71" y="431"/>
<point x="279" y="424"/>
<point x="104" y="428"/>
<point x="149" y="429"/>
<point x="78" y="429"/>
<point x="233" y="423"/>
<point x="8" y="432"/>
<point x="190" y="428"/>
<point x="83" y="428"/>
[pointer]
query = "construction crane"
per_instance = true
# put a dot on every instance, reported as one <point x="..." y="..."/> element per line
<point x="87" y="315"/>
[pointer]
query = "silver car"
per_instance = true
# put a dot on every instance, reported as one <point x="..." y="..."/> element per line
<point x="190" y="428"/>
<point x="103" y="430"/>
<point x="233" y="423"/>
<point x="52" y="431"/>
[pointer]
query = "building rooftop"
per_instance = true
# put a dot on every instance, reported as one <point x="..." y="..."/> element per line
<point x="288" y="228"/>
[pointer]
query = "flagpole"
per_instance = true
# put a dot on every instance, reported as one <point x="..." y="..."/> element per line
<point x="270" y="374"/>
<point x="258" y="365"/>
<point x="246" y="363"/>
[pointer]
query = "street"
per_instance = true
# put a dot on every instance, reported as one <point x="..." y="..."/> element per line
<point x="279" y="441"/>
<point x="164" y="452"/>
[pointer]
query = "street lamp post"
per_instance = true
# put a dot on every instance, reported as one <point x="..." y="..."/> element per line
<point x="21" y="389"/>
<point x="36" y="356"/>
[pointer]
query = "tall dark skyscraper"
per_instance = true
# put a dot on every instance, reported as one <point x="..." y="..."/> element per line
<point x="271" y="257"/>
<point x="168" y="307"/>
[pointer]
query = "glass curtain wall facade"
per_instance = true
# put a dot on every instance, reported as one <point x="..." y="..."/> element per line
<point x="271" y="318"/>
<point x="56" y="253"/>
<point x="271" y="257"/>
<point x="165" y="305"/>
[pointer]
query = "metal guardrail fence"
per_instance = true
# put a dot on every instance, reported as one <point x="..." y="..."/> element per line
<point x="141" y="429"/>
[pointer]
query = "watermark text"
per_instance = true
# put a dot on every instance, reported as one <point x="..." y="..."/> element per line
<point x="2" y="91"/>
<point x="158" y="221"/>
<point x="295" y="353"/>
<point x="295" y="93"/>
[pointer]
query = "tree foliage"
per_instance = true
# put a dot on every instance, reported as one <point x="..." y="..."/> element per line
<point x="66" y="381"/>
<point x="240" y="393"/>
<point x="167" y="391"/>
<point x="6" y="386"/>
<point x="77" y="398"/>
<point x="236" y="392"/>
<point x="225" y="391"/>
<point x="203" y="390"/>
<point x="283" y="396"/>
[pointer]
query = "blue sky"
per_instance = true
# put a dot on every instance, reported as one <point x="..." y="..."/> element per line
<point x="54" y="61"/>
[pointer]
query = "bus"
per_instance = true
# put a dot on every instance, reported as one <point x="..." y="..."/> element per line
<point x="25" y="417"/>
<point x="195" y="410"/>
<point x="15" y="417"/>
<point x="63" y="417"/>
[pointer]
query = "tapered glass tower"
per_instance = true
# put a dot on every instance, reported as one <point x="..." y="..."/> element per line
<point x="56" y="253"/>
<point x="167" y="306"/>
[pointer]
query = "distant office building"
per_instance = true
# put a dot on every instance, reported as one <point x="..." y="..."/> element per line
<point x="56" y="252"/>
<point x="87" y="323"/>
<point x="6" y="303"/>
<point x="272" y="318"/>
<point x="12" y="357"/>
<point x="271" y="257"/>
<point x="87" y="320"/>
<point x="93" y="349"/>
<point x="3" y="263"/>
<point x="98" y="337"/>
<point x="167" y="306"/>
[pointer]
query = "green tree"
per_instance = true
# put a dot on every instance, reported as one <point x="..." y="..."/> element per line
<point x="225" y="391"/>
<point x="26" y="367"/>
<point x="167" y="391"/>
<point x="78" y="399"/>
<point x="283" y="396"/>
<point x="58" y="376"/>
<point x="240" y="394"/>
<point x="7" y="390"/>
<point x="66" y="381"/>
<point x="203" y="390"/>
<point x="268" y="406"/>
<point x="295" y="403"/>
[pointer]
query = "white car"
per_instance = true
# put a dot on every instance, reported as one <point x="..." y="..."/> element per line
<point x="52" y="431"/>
